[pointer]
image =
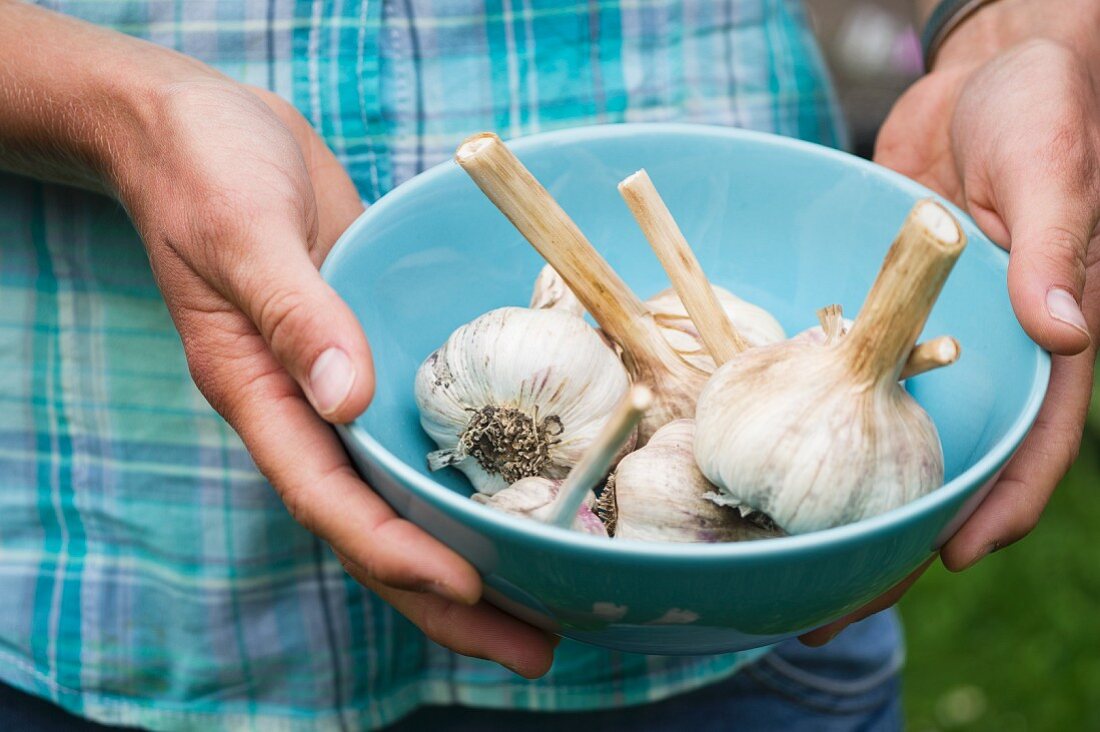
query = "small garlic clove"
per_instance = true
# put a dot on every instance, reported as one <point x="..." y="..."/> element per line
<point x="755" y="324"/>
<point x="533" y="498"/>
<point x="551" y="293"/>
<point x="658" y="494"/>
<point x="517" y="393"/>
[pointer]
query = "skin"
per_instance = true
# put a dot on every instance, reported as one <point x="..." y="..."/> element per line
<point x="238" y="201"/>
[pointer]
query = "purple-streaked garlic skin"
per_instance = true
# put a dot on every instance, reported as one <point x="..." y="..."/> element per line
<point x="818" y="434"/>
<point x="818" y="451"/>
<point x="658" y="494"/>
<point x="532" y="498"/>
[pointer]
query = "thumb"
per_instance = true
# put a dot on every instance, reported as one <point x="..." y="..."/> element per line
<point x="1050" y="228"/>
<point x="311" y="331"/>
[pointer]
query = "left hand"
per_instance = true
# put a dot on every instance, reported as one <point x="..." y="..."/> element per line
<point x="1008" y="128"/>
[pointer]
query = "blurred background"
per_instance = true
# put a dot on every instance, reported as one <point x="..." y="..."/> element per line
<point x="1014" y="643"/>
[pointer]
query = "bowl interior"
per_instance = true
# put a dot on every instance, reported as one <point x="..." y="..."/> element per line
<point x="786" y="225"/>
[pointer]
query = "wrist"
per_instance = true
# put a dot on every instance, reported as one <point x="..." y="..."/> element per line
<point x="77" y="98"/>
<point x="1003" y="24"/>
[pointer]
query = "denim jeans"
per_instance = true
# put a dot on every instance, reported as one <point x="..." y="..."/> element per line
<point x="851" y="684"/>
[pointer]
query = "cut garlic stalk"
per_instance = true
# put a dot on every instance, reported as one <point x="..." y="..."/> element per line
<point x="601" y="455"/>
<point x="683" y="269"/>
<point x="570" y="502"/>
<point x="931" y="355"/>
<point x="658" y="494"/>
<point x="928" y="356"/>
<point x="517" y="393"/>
<point x="817" y="435"/>
<point x="624" y="318"/>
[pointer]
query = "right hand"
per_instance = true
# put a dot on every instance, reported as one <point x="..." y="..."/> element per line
<point x="238" y="202"/>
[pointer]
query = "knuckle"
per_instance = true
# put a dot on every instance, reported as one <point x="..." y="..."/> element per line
<point x="284" y="316"/>
<point x="1065" y="248"/>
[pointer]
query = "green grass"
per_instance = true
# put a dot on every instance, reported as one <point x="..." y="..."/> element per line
<point x="1013" y="644"/>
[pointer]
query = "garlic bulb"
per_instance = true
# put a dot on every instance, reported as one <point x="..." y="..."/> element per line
<point x="658" y="494"/>
<point x="817" y="435"/>
<point x="570" y="502"/>
<point x="754" y="323"/>
<point x="551" y="293"/>
<point x="928" y="356"/>
<point x="648" y="357"/>
<point x="533" y="498"/>
<point x="517" y="393"/>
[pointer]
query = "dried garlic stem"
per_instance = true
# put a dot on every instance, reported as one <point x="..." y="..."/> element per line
<point x="925" y="357"/>
<point x="831" y="318"/>
<point x="648" y="356"/>
<point x="535" y="213"/>
<point x="931" y="355"/>
<point x="717" y="332"/>
<point x="904" y="292"/>
<point x="597" y="460"/>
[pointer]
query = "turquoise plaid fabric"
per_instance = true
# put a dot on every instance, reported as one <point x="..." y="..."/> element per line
<point x="148" y="574"/>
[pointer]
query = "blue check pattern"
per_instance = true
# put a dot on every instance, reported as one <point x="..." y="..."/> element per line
<point x="148" y="574"/>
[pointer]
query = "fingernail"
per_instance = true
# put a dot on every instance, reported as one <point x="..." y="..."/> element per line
<point x="330" y="380"/>
<point x="985" y="552"/>
<point x="1062" y="305"/>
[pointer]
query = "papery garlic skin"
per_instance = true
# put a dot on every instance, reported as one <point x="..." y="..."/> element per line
<point x="517" y="393"/>
<point x="658" y="494"/>
<point x="818" y="336"/>
<point x="755" y="324"/>
<point x="551" y="293"/>
<point x="861" y="449"/>
<point x="818" y="435"/>
<point x="533" y="497"/>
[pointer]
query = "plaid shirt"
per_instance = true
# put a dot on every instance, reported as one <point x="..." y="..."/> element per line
<point x="148" y="574"/>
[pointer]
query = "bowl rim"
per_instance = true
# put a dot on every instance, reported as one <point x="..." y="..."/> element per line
<point x="519" y="529"/>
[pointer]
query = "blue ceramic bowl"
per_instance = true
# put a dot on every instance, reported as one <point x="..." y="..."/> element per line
<point x="785" y="224"/>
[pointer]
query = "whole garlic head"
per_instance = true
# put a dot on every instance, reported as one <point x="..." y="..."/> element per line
<point x="755" y="324"/>
<point x="532" y="498"/>
<point x="658" y="494"/>
<point x="818" y="434"/>
<point x="517" y="393"/>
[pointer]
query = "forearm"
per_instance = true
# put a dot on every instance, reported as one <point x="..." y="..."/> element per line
<point x="74" y="98"/>
<point x="1002" y="24"/>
